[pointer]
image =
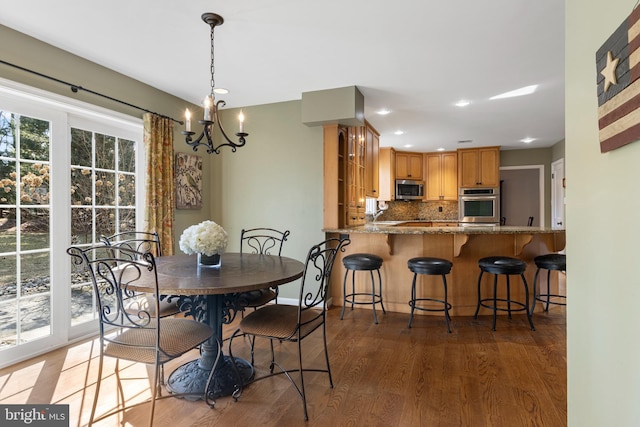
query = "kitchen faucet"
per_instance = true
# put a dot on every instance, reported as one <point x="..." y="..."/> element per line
<point x="382" y="206"/>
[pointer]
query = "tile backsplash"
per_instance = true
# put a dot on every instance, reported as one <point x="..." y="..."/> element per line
<point x="412" y="210"/>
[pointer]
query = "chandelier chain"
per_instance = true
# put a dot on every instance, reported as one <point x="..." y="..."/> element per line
<point x="213" y="67"/>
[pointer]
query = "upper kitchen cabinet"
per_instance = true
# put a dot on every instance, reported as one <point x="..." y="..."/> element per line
<point x="372" y="140"/>
<point x="387" y="174"/>
<point x="441" y="172"/>
<point x="409" y="166"/>
<point x="479" y="167"/>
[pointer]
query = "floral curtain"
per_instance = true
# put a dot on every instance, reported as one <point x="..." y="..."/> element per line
<point x="159" y="215"/>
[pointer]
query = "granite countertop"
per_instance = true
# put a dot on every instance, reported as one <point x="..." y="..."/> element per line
<point x="392" y="227"/>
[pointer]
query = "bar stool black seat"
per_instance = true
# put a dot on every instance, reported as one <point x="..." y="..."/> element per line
<point x="433" y="267"/>
<point x="549" y="262"/>
<point x="507" y="266"/>
<point x="362" y="262"/>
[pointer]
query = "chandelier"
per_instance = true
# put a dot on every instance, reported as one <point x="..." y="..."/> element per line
<point x="212" y="108"/>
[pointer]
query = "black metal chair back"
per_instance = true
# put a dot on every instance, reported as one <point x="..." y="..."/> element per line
<point x="139" y="241"/>
<point x="263" y="240"/>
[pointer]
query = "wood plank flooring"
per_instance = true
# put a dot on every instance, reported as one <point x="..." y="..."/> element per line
<point x="384" y="375"/>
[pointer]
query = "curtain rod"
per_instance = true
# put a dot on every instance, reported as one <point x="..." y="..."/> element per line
<point x="76" y="88"/>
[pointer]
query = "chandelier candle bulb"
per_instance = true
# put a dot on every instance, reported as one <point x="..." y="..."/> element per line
<point x="187" y="116"/>
<point x="207" y="108"/>
<point x="241" y="122"/>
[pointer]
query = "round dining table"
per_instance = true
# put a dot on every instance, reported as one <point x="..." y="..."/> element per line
<point x="214" y="295"/>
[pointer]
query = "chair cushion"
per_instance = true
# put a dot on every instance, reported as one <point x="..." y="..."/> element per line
<point x="502" y="265"/>
<point x="362" y="262"/>
<point x="177" y="336"/>
<point x="427" y="265"/>
<point x="280" y="321"/>
<point x="258" y="298"/>
<point x="552" y="261"/>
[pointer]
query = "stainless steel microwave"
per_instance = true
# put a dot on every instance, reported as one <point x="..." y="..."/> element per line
<point x="409" y="190"/>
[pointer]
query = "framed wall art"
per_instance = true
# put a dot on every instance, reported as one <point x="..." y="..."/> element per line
<point x="188" y="181"/>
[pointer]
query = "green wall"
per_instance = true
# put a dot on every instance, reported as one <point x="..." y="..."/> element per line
<point x="603" y="199"/>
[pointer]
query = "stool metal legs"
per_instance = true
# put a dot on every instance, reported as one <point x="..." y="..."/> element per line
<point x="508" y="300"/>
<point x="538" y="297"/>
<point x="445" y="302"/>
<point x="351" y="298"/>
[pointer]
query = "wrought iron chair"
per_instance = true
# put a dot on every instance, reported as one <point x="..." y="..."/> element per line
<point x="261" y="241"/>
<point x="135" y="336"/>
<point x="293" y="323"/>
<point x="143" y="241"/>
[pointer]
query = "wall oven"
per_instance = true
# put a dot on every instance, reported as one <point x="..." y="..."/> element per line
<point x="479" y="206"/>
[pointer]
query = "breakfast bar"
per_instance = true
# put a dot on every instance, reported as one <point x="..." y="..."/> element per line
<point x="397" y="242"/>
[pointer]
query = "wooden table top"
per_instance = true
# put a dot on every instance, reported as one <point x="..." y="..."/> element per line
<point x="181" y="274"/>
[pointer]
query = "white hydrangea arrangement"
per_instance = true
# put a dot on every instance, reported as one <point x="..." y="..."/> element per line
<point x="207" y="238"/>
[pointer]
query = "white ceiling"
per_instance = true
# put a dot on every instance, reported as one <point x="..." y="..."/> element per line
<point x="413" y="57"/>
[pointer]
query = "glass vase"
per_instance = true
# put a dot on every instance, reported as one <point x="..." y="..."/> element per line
<point x="213" y="261"/>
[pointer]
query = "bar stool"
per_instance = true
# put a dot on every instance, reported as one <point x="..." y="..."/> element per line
<point x="507" y="266"/>
<point x="549" y="262"/>
<point x="362" y="262"/>
<point x="435" y="267"/>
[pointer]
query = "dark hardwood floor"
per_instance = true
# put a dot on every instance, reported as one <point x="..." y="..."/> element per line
<point x="384" y="375"/>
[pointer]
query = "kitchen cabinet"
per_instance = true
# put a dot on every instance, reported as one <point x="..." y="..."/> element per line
<point x="409" y="166"/>
<point x="479" y="167"/>
<point x="441" y="176"/>
<point x="347" y="181"/>
<point x="356" y="153"/>
<point x="371" y="181"/>
<point x="387" y="174"/>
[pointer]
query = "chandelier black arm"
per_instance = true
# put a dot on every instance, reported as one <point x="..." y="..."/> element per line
<point x="231" y="144"/>
<point x="206" y="131"/>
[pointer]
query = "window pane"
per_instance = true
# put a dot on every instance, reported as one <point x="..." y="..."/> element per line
<point x="35" y="229"/>
<point x="34" y="184"/>
<point x="35" y="317"/>
<point x="8" y="182"/>
<point x="34" y="139"/>
<point x="8" y="325"/>
<point x="127" y="219"/>
<point x="105" y="151"/>
<point x="126" y="155"/>
<point x="7" y="232"/>
<point x="105" y="222"/>
<point x="8" y="285"/>
<point x="127" y="190"/>
<point x="80" y="147"/>
<point x="35" y="273"/>
<point x="81" y="295"/>
<point x="105" y="189"/>
<point x="81" y="225"/>
<point x="7" y="134"/>
<point x="81" y="187"/>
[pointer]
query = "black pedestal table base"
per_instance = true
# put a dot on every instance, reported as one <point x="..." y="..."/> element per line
<point x="191" y="378"/>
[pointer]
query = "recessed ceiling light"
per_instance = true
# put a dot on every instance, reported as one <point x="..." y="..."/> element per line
<point x="408" y="146"/>
<point x="220" y="90"/>
<point x="527" y="140"/>
<point x="384" y="112"/>
<point x="440" y="149"/>
<point x="399" y="132"/>
<point x="462" y="103"/>
<point x="527" y="90"/>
